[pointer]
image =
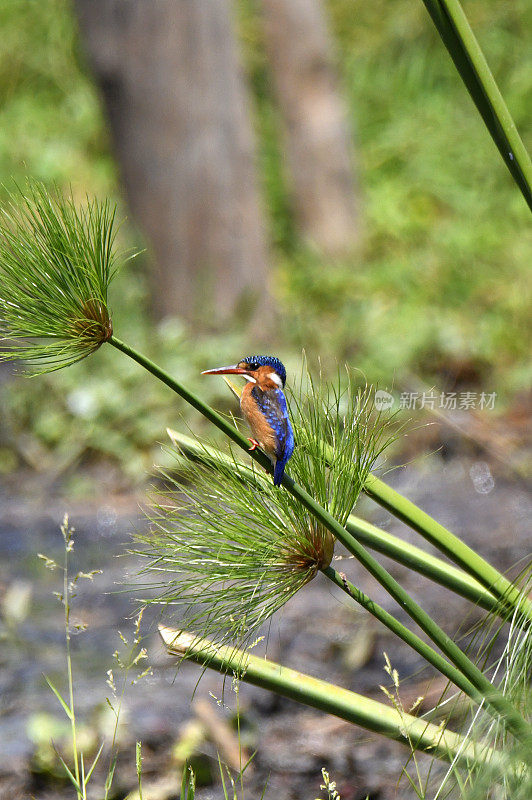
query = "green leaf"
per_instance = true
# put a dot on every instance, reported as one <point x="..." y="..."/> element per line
<point x="96" y="758"/>
<point x="64" y="704"/>
<point x="110" y="776"/>
<point x="68" y="771"/>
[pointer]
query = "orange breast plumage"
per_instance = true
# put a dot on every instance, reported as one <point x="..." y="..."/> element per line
<point x="260" y="427"/>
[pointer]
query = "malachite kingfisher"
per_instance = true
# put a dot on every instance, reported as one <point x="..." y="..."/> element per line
<point x="264" y="406"/>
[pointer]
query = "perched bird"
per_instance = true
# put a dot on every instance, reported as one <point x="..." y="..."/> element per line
<point x="264" y="405"/>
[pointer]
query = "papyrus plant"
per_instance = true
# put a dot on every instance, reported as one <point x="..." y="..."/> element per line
<point x="228" y="548"/>
<point x="56" y="265"/>
<point x="52" y="320"/>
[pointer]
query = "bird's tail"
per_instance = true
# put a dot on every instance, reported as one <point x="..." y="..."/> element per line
<point x="278" y="471"/>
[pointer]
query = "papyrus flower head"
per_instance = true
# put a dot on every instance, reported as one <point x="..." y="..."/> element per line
<point x="56" y="263"/>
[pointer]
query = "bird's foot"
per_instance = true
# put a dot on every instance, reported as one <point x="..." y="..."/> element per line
<point x="254" y="444"/>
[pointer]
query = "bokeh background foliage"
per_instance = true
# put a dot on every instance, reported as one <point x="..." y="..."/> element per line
<point x="438" y="289"/>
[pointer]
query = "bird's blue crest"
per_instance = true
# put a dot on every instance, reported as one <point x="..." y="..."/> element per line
<point x="254" y="362"/>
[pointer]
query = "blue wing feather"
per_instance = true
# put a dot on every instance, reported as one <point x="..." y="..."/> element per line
<point x="272" y="404"/>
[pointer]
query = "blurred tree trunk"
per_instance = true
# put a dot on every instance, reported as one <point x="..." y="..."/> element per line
<point x="318" y="140"/>
<point x="177" y="105"/>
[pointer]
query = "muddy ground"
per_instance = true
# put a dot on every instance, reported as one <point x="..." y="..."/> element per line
<point x="477" y="495"/>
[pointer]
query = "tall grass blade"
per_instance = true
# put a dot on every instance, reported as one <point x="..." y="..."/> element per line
<point x="96" y="759"/>
<point x="110" y="776"/>
<point x="68" y="771"/>
<point x="64" y="704"/>
<point x="83" y="781"/>
<point x="138" y="766"/>
<point x="188" y="783"/>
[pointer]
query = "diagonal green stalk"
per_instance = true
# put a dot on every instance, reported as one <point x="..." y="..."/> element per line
<point x="383" y="542"/>
<point x="448" y="543"/>
<point x="507" y="594"/>
<point x="204" y="409"/>
<point x="355" y="708"/>
<point x="400" y="630"/>
<point x="424" y="563"/>
<point x="493" y="697"/>
<point x="205" y="452"/>
<point x="495" y="700"/>
<point x="454" y="29"/>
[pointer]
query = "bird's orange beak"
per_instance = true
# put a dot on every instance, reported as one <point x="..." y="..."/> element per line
<point x="233" y="370"/>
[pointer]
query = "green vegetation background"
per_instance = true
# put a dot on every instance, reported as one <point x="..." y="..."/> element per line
<point x="440" y="288"/>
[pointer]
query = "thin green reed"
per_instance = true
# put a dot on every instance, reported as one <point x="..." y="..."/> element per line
<point x="456" y="33"/>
